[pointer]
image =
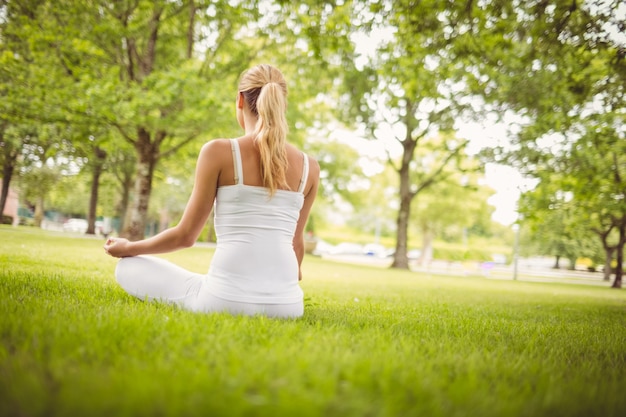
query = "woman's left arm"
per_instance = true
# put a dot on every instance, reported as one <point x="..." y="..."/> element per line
<point x="309" y="198"/>
<point x="196" y="213"/>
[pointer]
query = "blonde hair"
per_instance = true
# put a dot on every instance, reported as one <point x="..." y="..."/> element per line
<point x="265" y="90"/>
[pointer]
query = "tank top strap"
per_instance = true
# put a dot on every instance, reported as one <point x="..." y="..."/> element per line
<point x="305" y="173"/>
<point x="237" y="161"/>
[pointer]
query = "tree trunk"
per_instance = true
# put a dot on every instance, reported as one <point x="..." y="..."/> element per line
<point x="608" y="250"/>
<point x="572" y="263"/>
<point x="134" y="227"/>
<point x="121" y="210"/>
<point x="39" y="211"/>
<point x="400" y="257"/>
<point x="427" y="246"/>
<point x="147" y="152"/>
<point x="556" y="262"/>
<point x="99" y="156"/>
<point x="619" y="267"/>
<point x="607" y="262"/>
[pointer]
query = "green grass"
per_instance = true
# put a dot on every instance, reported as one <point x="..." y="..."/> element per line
<point x="373" y="342"/>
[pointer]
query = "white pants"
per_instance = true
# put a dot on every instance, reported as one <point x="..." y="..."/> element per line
<point x="151" y="278"/>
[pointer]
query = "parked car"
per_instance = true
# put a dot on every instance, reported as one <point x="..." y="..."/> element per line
<point x="75" y="225"/>
<point x="374" y="249"/>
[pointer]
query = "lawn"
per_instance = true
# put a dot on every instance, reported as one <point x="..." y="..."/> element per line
<point x="372" y="342"/>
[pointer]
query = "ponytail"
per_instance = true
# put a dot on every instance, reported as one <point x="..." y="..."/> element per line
<point x="271" y="136"/>
<point x="265" y="91"/>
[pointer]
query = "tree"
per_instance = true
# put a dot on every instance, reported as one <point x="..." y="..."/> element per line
<point x="44" y="161"/>
<point x="15" y="94"/>
<point x="574" y="129"/>
<point x="556" y="222"/>
<point x="120" y="166"/>
<point x="410" y="89"/>
<point x="89" y="154"/>
<point x="36" y="135"/>
<point x="131" y="66"/>
<point x="596" y="173"/>
<point x="155" y="70"/>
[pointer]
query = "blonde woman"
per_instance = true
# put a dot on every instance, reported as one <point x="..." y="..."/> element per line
<point x="263" y="189"/>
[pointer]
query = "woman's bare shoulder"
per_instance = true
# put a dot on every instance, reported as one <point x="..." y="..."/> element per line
<point x="314" y="166"/>
<point x="215" y="148"/>
<point x="294" y="149"/>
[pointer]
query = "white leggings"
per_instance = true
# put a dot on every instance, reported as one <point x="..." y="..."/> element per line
<point x="151" y="278"/>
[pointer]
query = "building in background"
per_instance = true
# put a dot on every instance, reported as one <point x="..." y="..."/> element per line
<point x="9" y="214"/>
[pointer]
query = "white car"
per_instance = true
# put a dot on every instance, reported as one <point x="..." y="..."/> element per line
<point x="75" y="226"/>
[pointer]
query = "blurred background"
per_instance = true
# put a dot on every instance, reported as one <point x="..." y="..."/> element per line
<point x="467" y="132"/>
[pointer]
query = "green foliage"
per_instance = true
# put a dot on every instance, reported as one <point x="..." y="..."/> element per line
<point x="456" y="202"/>
<point x="556" y="225"/>
<point x="339" y="176"/>
<point x="69" y="194"/>
<point x="156" y="76"/>
<point x="461" y="255"/>
<point x="38" y="182"/>
<point x="372" y="342"/>
<point x="129" y="67"/>
<point x="565" y="73"/>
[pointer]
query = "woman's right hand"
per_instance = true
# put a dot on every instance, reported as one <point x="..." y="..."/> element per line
<point x="117" y="247"/>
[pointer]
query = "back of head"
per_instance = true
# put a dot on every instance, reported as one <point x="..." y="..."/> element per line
<point x="265" y="90"/>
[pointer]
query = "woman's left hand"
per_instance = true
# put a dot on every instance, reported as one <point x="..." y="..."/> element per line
<point x="117" y="247"/>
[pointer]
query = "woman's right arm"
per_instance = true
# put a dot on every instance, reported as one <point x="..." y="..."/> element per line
<point x="196" y="213"/>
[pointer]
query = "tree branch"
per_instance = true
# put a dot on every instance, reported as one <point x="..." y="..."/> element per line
<point x="432" y="178"/>
<point x="218" y="43"/>
<point x="617" y="176"/>
<point x="147" y="64"/>
<point x="572" y="8"/>
<point x="390" y="161"/>
<point x="178" y="146"/>
<point x="190" y="31"/>
<point x="125" y="135"/>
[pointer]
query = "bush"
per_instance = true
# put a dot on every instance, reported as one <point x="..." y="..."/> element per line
<point x="460" y="254"/>
<point x="27" y="221"/>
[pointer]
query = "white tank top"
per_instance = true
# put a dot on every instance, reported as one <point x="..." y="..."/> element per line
<point x="254" y="261"/>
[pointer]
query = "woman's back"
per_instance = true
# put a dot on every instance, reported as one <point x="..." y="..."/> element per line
<point x="255" y="260"/>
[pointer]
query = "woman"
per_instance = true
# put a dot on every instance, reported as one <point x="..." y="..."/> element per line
<point x="263" y="189"/>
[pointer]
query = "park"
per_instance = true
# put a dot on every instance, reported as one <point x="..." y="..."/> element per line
<point x="419" y="297"/>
